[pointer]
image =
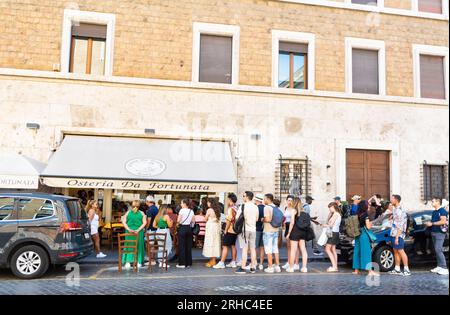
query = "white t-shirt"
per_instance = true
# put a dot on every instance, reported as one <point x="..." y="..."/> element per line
<point x="186" y="216"/>
<point x="337" y="224"/>
<point x="251" y="215"/>
<point x="287" y="215"/>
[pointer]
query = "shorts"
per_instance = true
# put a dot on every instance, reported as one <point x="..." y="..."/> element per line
<point x="401" y="243"/>
<point x="249" y="241"/>
<point x="270" y="242"/>
<point x="334" y="240"/>
<point x="229" y="239"/>
<point x="259" y="239"/>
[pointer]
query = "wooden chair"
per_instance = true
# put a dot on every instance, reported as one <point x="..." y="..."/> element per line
<point x="156" y="244"/>
<point x="114" y="234"/>
<point x="128" y="247"/>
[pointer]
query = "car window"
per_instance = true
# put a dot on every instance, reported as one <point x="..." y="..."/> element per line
<point x="75" y="210"/>
<point x="33" y="209"/>
<point x="422" y="219"/>
<point x="6" y="208"/>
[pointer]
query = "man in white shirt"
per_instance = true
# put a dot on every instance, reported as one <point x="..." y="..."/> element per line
<point x="247" y="239"/>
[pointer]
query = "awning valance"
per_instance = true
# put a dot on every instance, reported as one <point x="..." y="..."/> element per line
<point x="141" y="164"/>
<point x="19" y="172"/>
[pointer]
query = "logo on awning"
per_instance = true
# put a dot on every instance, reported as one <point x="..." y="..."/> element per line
<point x="145" y="167"/>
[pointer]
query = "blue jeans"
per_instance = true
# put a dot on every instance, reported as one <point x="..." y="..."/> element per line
<point x="438" y="242"/>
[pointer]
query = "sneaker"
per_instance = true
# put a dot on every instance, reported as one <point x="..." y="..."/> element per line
<point x="285" y="266"/>
<point x="153" y="263"/>
<point x="232" y="264"/>
<point x="269" y="270"/>
<point x="127" y="266"/>
<point x="395" y="272"/>
<point x="181" y="266"/>
<point x="252" y="270"/>
<point x="290" y="270"/>
<point x="219" y="265"/>
<point x="163" y="265"/>
<point x="260" y="267"/>
<point x="247" y="267"/>
<point x="406" y="273"/>
<point x="238" y="264"/>
<point x="139" y="265"/>
<point x="317" y="253"/>
<point x="435" y="270"/>
<point x="443" y="272"/>
<point x="304" y="270"/>
<point x="101" y="255"/>
<point x="296" y="267"/>
<point x="277" y="269"/>
<point x="239" y="270"/>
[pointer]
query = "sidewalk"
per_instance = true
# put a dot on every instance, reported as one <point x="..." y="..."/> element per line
<point x="113" y="256"/>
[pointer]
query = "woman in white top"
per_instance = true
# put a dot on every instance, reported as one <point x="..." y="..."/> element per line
<point x="92" y="212"/>
<point x="333" y="224"/>
<point x="287" y="221"/>
<point x="185" y="221"/>
<point x="211" y="246"/>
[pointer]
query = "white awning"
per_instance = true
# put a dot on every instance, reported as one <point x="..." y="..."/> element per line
<point x="141" y="164"/>
<point x="19" y="172"/>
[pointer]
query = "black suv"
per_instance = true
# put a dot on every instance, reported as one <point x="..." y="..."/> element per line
<point x="38" y="229"/>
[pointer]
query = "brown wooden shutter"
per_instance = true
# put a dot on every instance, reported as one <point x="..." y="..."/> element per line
<point x="372" y="2"/>
<point x="295" y="48"/>
<point x="431" y="6"/>
<point x="215" y="59"/>
<point x="432" y="82"/>
<point x="365" y="71"/>
<point x="89" y="30"/>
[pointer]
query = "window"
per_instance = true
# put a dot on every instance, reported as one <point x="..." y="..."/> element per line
<point x="6" y="209"/>
<point x="215" y="59"/>
<point x="430" y="65"/>
<point x="369" y="2"/>
<point x="87" y="42"/>
<point x="87" y="52"/>
<point x="435" y="181"/>
<point x="215" y="55"/>
<point x="292" y="65"/>
<point x="33" y="209"/>
<point x="365" y="66"/>
<point x="293" y="60"/>
<point x="293" y="177"/>
<point x="430" y="6"/>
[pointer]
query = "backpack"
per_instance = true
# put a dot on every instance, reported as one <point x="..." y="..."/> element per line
<point x="352" y="226"/>
<point x="277" y="217"/>
<point x="238" y="225"/>
<point x="303" y="221"/>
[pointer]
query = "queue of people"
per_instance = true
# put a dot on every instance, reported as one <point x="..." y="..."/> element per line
<point x="253" y="228"/>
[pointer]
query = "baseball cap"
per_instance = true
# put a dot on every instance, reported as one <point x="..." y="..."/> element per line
<point x="337" y="198"/>
<point x="150" y="198"/>
<point x="259" y="197"/>
<point x="356" y="197"/>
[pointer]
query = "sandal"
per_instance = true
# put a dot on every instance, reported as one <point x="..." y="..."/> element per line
<point x="331" y="269"/>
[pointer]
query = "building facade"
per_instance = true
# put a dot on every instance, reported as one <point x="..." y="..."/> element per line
<point x="318" y="97"/>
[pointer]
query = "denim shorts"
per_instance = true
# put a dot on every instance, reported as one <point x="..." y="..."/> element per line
<point x="270" y="240"/>
<point x="401" y="243"/>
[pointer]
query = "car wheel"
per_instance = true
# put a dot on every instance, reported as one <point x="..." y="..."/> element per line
<point x="29" y="262"/>
<point x="384" y="257"/>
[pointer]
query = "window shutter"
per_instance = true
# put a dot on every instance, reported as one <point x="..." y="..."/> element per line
<point x="89" y="30"/>
<point x="215" y="59"/>
<point x="365" y="71"/>
<point x="296" y="48"/>
<point x="432" y="82"/>
<point x="431" y="6"/>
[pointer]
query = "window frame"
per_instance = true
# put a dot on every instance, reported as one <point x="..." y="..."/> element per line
<point x="76" y="16"/>
<point x="90" y="41"/>
<point x="232" y="31"/>
<point x="368" y="44"/>
<point x="440" y="51"/>
<point x="444" y="5"/>
<point x="17" y="199"/>
<point x="380" y="4"/>
<point x="299" y="38"/>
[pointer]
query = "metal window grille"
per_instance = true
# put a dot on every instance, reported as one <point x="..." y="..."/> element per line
<point x="293" y="177"/>
<point x="434" y="181"/>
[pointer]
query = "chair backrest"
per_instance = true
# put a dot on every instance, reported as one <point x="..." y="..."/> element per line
<point x="127" y="246"/>
<point x="156" y="241"/>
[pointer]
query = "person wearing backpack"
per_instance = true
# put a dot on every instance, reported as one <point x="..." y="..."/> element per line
<point x="273" y="219"/>
<point x="439" y="227"/>
<point x="298" y="235"/>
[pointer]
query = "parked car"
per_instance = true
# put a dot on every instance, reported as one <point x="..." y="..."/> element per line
<point x="38" y="229"/>
<point x="418" y="244"/>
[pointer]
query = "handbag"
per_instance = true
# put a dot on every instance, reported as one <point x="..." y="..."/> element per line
<point x="372" y="236"/>
<point x="196" y="229"/>
<point x="323" y="238"/>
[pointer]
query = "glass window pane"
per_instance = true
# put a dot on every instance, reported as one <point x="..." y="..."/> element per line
<point x="299" y="71"/>
<point x="283" y="70"/>
<point x="98" y="57"/>
<point x="6" y="209"/>
<point x="79" y="55"/>
<point x="215" y="59"/>
<point x="365" y="71"/>
<point x="432" y="77"/>
<point x="31" y="209"/>
<point x="431" y="6"/>
<point x="369" y="2"/>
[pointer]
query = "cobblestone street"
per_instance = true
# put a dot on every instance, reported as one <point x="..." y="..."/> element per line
<point x="105" y="279"/>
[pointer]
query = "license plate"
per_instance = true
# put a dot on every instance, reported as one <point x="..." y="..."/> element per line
<point x="86" y="235"/>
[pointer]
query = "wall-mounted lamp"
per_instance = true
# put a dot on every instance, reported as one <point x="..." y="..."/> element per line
<point x="149" y="131"/>
<point x="255" y="136"/>
<point x="33" y="126"/>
